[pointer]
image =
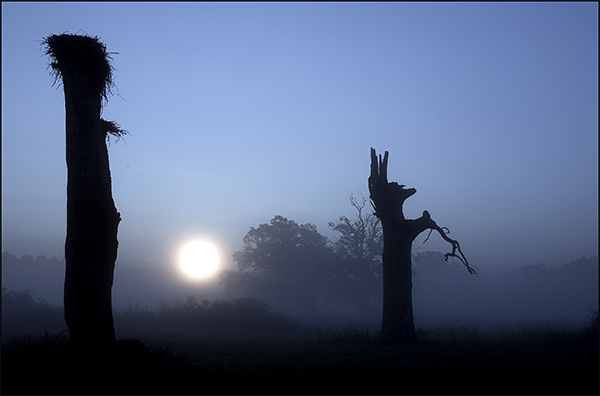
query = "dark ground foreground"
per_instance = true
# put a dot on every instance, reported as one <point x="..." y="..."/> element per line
<point x="326" y="365"/>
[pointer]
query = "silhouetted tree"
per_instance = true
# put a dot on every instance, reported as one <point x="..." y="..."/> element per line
<point x="283" y="263"/>
<point x="92" y="218"/>
<point x="357" y="276"/>
<point x="398" y="234"/>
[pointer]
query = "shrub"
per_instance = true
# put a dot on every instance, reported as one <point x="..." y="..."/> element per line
<point x="21" y="311"/>
<point x="590" y="329"/>
<point x="349" y="334"/>
<point x="135" y="314"/>
<point x="248" y="314"/>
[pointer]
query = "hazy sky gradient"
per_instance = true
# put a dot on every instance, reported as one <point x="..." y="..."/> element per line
<point x="240" y="112"/>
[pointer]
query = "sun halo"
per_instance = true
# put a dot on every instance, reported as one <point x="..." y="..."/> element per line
<point x="199" y="259"/>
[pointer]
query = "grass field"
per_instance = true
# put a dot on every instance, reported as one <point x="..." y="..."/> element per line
<point x="449" y="360"/>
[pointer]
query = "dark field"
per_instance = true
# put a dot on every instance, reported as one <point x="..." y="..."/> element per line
<point x="349" y="361"/>
<point x="245" y="347"/>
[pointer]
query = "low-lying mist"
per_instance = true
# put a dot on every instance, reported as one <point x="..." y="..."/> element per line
<point x="443" y="294"/>
<point x="240" y="345"/>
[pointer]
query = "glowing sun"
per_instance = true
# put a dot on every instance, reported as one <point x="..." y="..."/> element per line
<point x="199" y="259"/>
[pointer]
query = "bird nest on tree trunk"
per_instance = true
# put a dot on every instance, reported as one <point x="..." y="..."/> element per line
<point x="87" y="55"/>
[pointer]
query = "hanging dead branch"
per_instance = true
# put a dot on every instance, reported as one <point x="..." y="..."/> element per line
<point x="444" y="231"/>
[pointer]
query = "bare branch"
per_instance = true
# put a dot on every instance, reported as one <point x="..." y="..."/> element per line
<point x="443" y="231"/>
<point x="428" y="235"/>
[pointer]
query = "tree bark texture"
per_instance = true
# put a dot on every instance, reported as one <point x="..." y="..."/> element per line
<point x="92" y="218"/>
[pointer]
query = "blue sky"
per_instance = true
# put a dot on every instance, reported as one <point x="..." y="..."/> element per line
<point x="242" y="111"/>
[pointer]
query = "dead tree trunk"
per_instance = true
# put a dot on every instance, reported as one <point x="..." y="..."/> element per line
<point x="398" y="234"/>
<point x="92" y="218"/>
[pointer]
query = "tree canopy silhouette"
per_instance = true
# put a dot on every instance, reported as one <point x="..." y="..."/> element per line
<point x="295" y="268"/>
<point x="83" y="65"/>
<point x="398" y="234"/>
<point x="283" y="263"/>
<point x="357" y="277"/>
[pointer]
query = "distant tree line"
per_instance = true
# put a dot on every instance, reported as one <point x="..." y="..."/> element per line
<point x="41" y="259"/>
<point x="531" y="292"/>
<point x="299" y="271"/>
<point x="442" y="290"/>
<point x="296" y="270"/>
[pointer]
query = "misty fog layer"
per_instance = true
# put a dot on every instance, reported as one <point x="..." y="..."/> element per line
<point x="443" y="293"/>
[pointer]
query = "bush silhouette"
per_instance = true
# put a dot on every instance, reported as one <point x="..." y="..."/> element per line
<point x="248" y="314"/>
<point x="21" y="310"/>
